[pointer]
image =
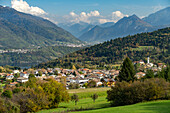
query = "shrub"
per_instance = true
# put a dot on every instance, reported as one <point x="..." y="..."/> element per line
<point x="74" y="86"/>
<point x="91" y="84"/>
<point x="125" y="93"/>
<point x="75" y="98"/>
<point x="94" y="97"/>
<point x="7" y="93"/>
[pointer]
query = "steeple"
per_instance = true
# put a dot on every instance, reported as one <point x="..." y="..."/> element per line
<point x="148" y="60"/>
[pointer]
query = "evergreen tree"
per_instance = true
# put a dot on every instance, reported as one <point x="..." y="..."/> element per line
<point x="149" y="74"/>
<point x="127" y="72"/>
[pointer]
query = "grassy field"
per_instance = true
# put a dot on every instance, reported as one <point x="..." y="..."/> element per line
<point x="102" y="106"/>
<point x="85" y="100"/>
<point x="86" y="93"/>
<point x="148" y="107"/>
<point x="101" y="102"/>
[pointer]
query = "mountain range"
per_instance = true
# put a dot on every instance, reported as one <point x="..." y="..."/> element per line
<point x="20" y="30"/>
<point x="125" y="26"/>
<point x="159" y="18"/>
<point x="78" y="29"/>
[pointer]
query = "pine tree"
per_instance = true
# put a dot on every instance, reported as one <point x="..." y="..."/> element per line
<point x="127" y="72"/>
<point x="149" y="74"/>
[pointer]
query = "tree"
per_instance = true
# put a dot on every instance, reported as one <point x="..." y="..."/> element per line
<point x="149" y="74"/>
<point x="1" y="89"/>
<point x="7" y="93"/>
<point x="127" y="72"/>
<point x="164" y="73"/>
<point x="75" y="98"/>
<point x="73" y="67"/>
<point x="94" y="97"/>
<point x="74" y="86"/>
<point x="31" y="76"/>
<point x="91" y="84"/>
<point x="74" y="73"/>
<point x="55" y="72"/>
<point x="39" y="73"/>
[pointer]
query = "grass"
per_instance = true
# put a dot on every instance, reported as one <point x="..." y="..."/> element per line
<point x="102" y="106"/>
<point x="141" y="48"/>
<point x="2" y="85"/>
<point x="101" y="102"/>
<point x="86" y="93"/>
<point x="147" y="107"/>
<point x="85" y="100"/>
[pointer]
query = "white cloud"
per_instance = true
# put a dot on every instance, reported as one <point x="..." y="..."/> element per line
<point x="93" y="17"/>
<point x="117" y="15"/>
<point x="23" y="6"/>
<point x="83" y="16"/>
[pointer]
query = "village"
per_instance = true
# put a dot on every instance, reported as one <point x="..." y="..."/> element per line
<point x="77" y="78"/>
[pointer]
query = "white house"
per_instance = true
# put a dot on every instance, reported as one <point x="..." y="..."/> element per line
<point x="22" y="79"/>
<point x="24" y="74"/>
<point x="16" y="71"/>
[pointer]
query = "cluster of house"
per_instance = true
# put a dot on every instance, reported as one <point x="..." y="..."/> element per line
<point x="155" y="67"/>
<point x="15" y="51"/>
<point x="79" y="76"/>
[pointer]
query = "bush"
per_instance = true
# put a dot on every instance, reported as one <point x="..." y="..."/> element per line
<point x="94" y="97"/>
<point x="75" y="98"/>
<point x="91" y="84"/>
<point x="7" y="93"/>
<point x="73" y="86"/>
<point x="125" y="93"/>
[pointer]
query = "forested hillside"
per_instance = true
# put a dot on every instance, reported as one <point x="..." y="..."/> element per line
<point x="35" y="56"/>
<point x="140" y="46"/>
<point x="20" y="30"/>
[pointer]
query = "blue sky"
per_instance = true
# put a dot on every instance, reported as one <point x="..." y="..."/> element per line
<point x="104" y="7"/>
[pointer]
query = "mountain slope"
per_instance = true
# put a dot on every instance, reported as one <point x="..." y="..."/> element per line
<point x="77" y="29"/>
<point x="159" y="18"/>
<point x="20" y="30"/>
<point x="154" y="44"/>
<point x="107" y="24"/>
<point x="35" y="56"/>
<point x="125" y="26"/>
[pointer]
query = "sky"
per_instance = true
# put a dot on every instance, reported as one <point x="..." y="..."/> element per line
<point x="90" y="11"/>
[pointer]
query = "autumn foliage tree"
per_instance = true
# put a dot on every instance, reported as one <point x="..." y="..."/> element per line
<point x="35" y="95"/>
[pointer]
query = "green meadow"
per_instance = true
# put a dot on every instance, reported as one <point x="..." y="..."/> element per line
<point x="162" y="106"/>
<point x="102" y="106"/>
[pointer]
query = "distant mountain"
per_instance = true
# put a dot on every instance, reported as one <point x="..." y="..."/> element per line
<point x="77" y="29"/>
<point x="159" y="18"/>
<point x="104" y="56"/>
<point x="20" y="30"/>
<point x="107" y="24"/>
<point x="126" y="26"/>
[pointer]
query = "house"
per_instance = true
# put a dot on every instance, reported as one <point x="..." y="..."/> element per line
<point x="99" y="74"/>
<point x="22" y="79"/>
<point x="2" y="74"/>
<point x="16" y="71"/>
<point x="99" y="83"/>
<point x="9" y="76"/>
<point x="24" y="74"/>
<point x="13" y="83"/>
<point x="140" y="75"/>
<point x="141" y="62"/>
